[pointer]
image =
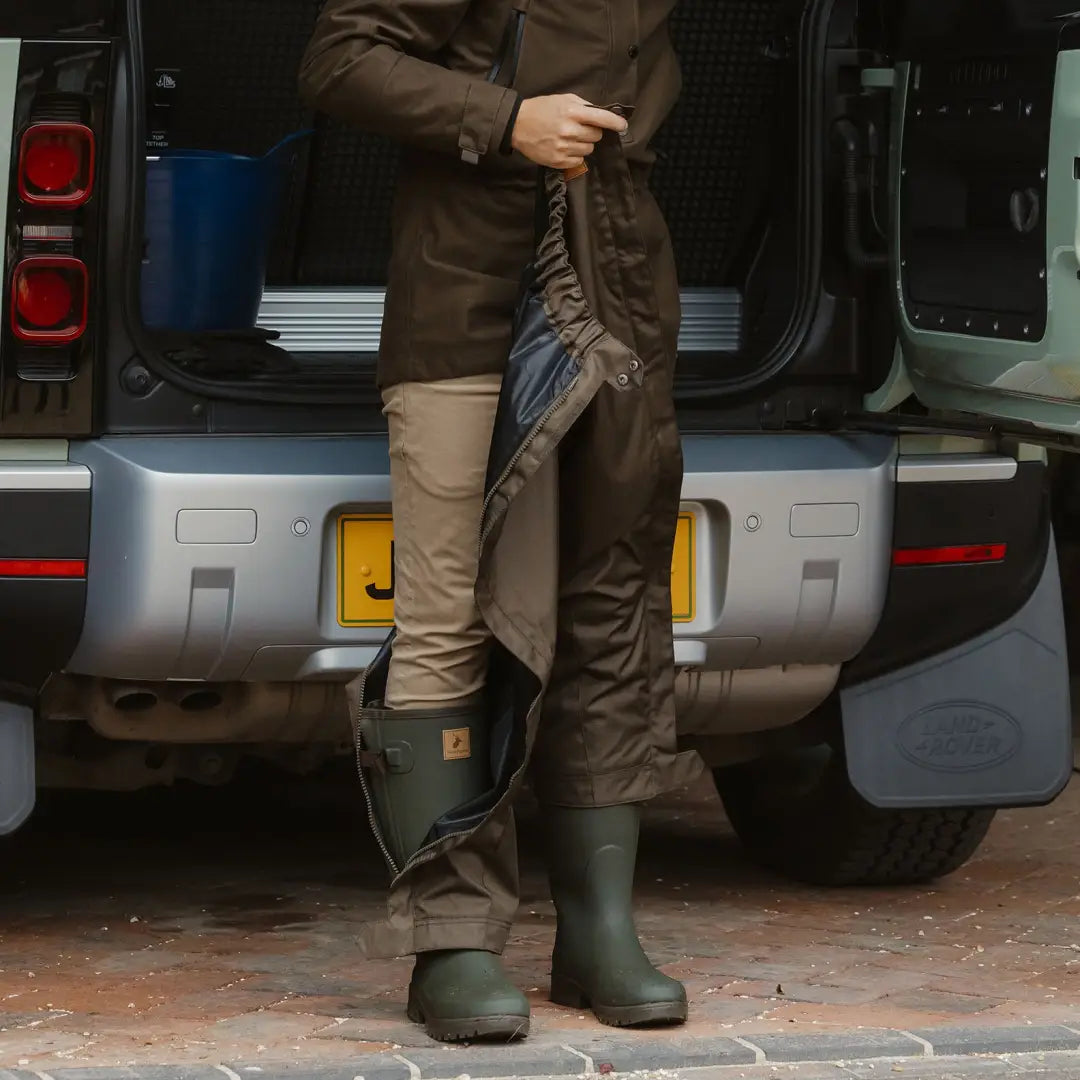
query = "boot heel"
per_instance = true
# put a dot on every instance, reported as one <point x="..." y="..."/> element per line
<point x="567" y="994"/>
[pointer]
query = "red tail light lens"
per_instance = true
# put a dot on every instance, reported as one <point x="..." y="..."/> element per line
<point x="49" y="299"/>
<point x="56" y="165"/>
<point x="960" y="555"/>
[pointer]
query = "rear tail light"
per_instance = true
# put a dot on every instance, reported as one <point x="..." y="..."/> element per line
<point x="50" y="299"/>
<point x="56" y="165"/>
<point x="959" y="555"/>
<point x="42" y="568"/>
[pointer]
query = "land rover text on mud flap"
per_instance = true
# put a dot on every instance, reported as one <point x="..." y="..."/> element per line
<point x="874" y="205"/>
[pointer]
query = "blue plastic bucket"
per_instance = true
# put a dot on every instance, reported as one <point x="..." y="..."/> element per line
<point x="209" y="220"/>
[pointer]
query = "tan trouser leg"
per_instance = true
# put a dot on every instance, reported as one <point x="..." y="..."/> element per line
<point x="440" y="434"/>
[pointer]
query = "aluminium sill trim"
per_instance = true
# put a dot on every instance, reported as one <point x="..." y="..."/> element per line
<point x="348" y="320"/>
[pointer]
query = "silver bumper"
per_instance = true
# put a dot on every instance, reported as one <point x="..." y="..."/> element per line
<point x="214" y="558"/>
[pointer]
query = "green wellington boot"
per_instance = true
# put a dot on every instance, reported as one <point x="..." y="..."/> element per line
<point x="465" y="995"/>
<point x="598" y="961"/>
<point x="418" y="765"/>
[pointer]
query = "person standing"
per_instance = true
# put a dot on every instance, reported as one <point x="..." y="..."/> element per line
<point x="545" y="645"/>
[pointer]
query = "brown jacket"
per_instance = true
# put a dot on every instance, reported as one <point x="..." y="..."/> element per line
<point x="442" y="77"/>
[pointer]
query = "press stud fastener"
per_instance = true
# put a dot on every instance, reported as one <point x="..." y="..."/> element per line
<point x="634" y="365"/>
<point x="623" y="380"/>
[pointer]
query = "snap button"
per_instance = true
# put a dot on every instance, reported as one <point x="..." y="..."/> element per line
<point x="623" y="380"/>
<point x="634" y="365"/>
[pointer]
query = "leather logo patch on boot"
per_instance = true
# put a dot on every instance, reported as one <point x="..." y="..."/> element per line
<point x="456" y="744"/>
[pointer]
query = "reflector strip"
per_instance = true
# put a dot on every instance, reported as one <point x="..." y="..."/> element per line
<point x="42" y="568"/>
<point x="950" y="556"/>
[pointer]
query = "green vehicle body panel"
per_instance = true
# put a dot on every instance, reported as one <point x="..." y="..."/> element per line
<point x="1036" y="382"/>
<point x="9" y="76"/>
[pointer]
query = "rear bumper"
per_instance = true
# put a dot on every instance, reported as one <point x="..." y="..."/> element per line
<point x="215" y="558"/>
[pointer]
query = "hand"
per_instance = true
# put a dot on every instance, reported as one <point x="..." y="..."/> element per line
<point x="560" y="131"/>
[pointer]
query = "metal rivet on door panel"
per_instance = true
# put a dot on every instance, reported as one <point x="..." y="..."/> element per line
<point x="1027" y="330"/>
<point x="752" y="523"/>
<point x="1042" y="273"/>
<point x="623" y="380"/>
<point x="1042" y="172"/>
<point x="967" y="324"/>
<point x="301" y="526"/>
<point x="997" y="326"/>
<point x="941" y="320"/>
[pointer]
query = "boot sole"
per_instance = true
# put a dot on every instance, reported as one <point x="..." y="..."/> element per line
<point x="470" y="1029"/>
<point x="648" y="1014"/>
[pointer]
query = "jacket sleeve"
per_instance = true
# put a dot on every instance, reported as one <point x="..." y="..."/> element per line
<point x="368" y="63"/>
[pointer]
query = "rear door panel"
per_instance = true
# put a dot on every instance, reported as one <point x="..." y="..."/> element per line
<point x="986" y="186"/>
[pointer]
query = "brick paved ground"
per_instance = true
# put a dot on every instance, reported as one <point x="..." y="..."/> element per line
<point x="211" y="926"/>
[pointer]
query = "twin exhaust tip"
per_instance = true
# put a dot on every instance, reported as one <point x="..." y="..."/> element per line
<point x="137" y="699"/>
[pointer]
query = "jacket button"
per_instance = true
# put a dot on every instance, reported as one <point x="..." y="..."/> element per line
<point x="633" y="52"/>
<point x="623" y="380"/>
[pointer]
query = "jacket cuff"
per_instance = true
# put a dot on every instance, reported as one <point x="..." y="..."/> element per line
<point x="484" y="121"/>
<point x="506" y="145"/>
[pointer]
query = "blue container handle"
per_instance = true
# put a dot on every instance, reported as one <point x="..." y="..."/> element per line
<point x="296" y="136"/>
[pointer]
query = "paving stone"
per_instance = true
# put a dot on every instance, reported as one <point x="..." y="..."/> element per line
<point x="626" y="1055"/>
<point x="267" y="1025"/>
<point x="999" y="1040"/>
<point x="931" y="1069"/>
<point x="1063" y="1063"/>
<point x="938" y="1001"/>
<point x="370" y="1067"/>
<point x="144" y="1072"/>
<point x="518" y="1059"/>
<point x="851" y="1046"/>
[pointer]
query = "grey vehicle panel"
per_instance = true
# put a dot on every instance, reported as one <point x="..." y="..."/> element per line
<point x="1036" y="381"/>
<point x="265" y="609"/>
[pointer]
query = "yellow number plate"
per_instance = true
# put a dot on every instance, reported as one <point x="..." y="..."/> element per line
<point x="366" y="570"/>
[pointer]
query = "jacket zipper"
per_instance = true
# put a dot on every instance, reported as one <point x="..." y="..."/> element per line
<point x="520" y="452"/>
<point x="373" y="821"/>
<point x="509" y="51"/>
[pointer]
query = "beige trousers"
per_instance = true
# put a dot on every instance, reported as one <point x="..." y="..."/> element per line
<point x="440" y="434"/>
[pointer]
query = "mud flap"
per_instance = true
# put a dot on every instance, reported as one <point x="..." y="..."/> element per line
<point x="987" y="723"/>
<point x="18" y="783"/>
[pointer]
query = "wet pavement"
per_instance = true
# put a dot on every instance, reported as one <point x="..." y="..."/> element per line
<point x="200" y="926"/>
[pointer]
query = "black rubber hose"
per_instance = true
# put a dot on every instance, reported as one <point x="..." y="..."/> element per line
<point x="848" y="137"/>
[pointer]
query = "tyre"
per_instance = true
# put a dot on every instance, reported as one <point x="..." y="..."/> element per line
<point x="798" y="814"/>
